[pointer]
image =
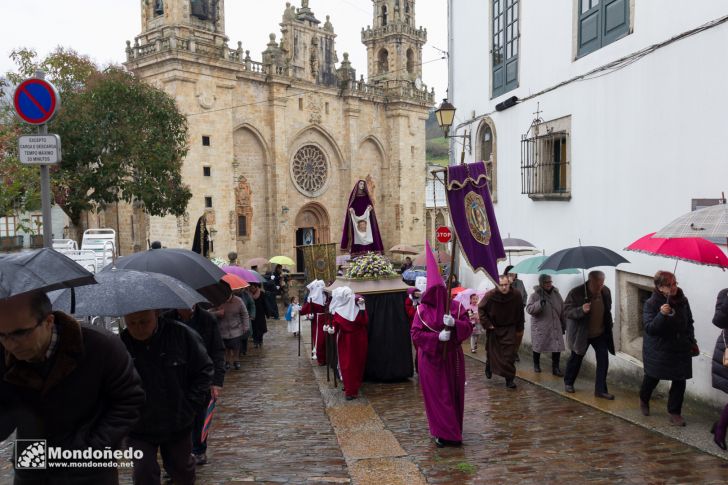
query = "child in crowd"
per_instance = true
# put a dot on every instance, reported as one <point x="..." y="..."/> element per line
<point x="292" y="315"/>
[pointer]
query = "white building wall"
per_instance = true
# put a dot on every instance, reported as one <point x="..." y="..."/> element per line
<point x="645" y="139"/>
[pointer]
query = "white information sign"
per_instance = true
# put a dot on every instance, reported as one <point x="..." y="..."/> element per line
<point x="39" y="149"/>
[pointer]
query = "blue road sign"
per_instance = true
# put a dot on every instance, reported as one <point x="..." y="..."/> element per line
<point x="35" y="101"/>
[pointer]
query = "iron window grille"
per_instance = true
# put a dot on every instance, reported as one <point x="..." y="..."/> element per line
<point x="545" y="162"/>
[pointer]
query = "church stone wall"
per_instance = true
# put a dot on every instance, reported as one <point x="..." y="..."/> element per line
<point x="257" y="116"/>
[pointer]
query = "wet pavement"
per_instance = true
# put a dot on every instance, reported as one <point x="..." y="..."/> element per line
<point x="280" y="421"/>
<point x="532" y="435"/>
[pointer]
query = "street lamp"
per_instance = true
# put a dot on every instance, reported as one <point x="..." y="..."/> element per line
<point x="445" y="116"/>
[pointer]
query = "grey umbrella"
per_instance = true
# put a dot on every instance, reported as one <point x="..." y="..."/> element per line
<point x="187" y="266"/>
<point x="517" y="246"/>
<point x="40" y="270"/>
<point x="709" y="222"/>
<point x="123" y="291"/>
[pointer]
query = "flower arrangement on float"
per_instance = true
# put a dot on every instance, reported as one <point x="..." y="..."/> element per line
<point x="370" y="266"/>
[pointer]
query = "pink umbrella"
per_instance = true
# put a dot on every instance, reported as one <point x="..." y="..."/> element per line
<point x="692" y="249"/>
<point x="247" y="274"/>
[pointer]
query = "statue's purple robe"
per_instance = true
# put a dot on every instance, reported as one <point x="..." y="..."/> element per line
<point x="442" y="378"/>
<point x="359" y="200"/>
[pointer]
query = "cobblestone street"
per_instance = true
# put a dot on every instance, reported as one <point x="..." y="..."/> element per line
<point x="274" y="425"/>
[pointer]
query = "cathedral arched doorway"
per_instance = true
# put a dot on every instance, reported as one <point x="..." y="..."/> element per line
<point x="312" y="227"/>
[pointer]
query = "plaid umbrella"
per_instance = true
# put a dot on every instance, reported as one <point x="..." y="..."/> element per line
<point x="708" y="222"/>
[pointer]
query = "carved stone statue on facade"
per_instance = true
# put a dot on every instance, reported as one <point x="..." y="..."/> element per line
<point x="315" y="57"/>
<point x="289" y="15"/>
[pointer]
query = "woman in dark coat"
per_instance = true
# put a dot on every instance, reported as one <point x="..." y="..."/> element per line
<point x="668" y="344"/>
<point x="720" y="372"/>
<point x="259" y="324"/>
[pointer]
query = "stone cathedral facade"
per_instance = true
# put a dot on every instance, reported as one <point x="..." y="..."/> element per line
<point x="277" y="144"/>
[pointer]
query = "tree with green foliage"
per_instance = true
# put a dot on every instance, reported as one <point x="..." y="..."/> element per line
<point x="122" y="139"/>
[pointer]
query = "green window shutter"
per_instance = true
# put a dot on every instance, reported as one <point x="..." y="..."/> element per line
<point x="616" y="20"/>
<point x="505" y="46"/>
<point x="589" y="27"/>
<point x="601" y="22"/>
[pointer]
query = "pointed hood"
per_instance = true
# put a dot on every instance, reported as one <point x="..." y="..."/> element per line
<point x="432" y="307"/>
<point x="316" y="292"/>
<point x="343" y="302"/>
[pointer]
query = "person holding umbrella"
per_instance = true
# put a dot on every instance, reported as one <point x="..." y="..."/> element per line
<point x="668" y="344"/>
<point x="204" y="323"/>
<point x="548" y="323"/>
<point x="589" y="322"/>
<point x="72" y="385"/>
<point x="234" y="322"/>
<point x="176" y="375"/>
<point x="720" y="366"/>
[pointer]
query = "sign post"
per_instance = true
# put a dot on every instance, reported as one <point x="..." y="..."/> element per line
<point x="36" y="101"/>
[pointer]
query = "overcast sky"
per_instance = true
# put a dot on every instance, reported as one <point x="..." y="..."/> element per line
<point x="99" y="28"/>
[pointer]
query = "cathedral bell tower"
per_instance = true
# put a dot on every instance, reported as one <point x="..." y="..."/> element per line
<point x="394" y="44"/>
<point x="198" y="21"/>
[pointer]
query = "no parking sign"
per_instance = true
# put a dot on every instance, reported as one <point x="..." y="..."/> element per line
<point x="36" y="101"/>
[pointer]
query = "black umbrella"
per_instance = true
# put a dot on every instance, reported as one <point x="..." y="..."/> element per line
<point x="582" y="257"/>
<point x="187" y="266"/>
<point x="40" y="270"/>
<point x="123" y="291"/>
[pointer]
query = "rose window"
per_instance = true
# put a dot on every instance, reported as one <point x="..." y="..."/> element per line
<point x="310" y="170"/>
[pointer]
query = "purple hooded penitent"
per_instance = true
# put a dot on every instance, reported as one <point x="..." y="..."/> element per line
<point x="442" y="377"/>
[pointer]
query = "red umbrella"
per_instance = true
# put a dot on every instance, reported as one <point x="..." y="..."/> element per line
<point x="235" y="281"/>
<point x="692" y="249"/>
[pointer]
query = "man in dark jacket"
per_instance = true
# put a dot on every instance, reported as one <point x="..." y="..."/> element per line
<point x="588" y="310"/>
<point x="176" y="374"/>
<point x="205" y="324"/>
<point x="71" y="385"/>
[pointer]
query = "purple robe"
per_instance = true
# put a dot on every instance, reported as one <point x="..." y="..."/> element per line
<point x="442" y="379"/>
<point x="359" y="200"/>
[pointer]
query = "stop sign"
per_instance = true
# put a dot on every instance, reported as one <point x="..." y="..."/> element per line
<point x="443" y="234"/>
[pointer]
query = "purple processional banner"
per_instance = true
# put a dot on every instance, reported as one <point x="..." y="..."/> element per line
<point x="473" y="217"/>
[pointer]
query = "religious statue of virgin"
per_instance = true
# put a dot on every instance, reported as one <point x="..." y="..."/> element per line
<point x="361" y="231"/>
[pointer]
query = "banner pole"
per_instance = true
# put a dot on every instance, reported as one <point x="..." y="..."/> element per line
<point x="449" y="285"/>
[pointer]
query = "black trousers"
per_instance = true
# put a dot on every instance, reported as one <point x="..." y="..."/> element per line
<point x="176" y="455"/>
<point x="675" y="397"/>
<point x="601" y="350"/>
<point x="555" y="359"/>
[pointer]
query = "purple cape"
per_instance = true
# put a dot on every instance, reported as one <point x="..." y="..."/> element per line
<point x="359" y="201"/>
<point x="442" y="379"/>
